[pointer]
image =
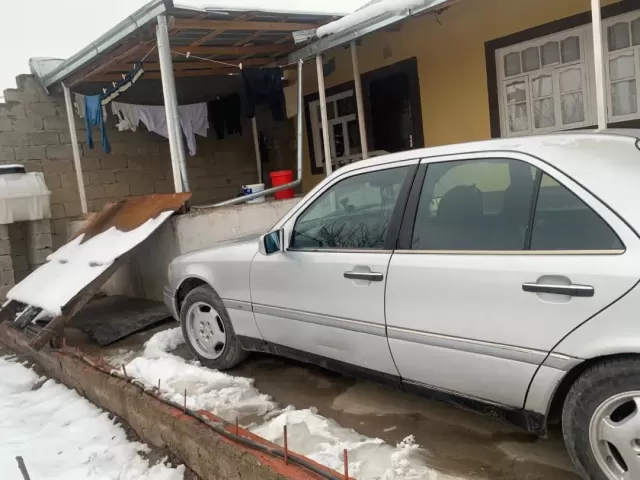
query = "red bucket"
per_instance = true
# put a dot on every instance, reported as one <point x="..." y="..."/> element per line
<point x="282" y="178"/>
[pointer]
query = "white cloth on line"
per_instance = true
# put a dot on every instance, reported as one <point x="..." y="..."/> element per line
<point x="128" y="116"/>
<point x="194" y="120"/>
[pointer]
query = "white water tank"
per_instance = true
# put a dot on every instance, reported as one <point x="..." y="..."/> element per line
<point x="23" y="196"/>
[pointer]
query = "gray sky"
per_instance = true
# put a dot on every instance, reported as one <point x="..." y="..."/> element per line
<point x="59" y="28"/>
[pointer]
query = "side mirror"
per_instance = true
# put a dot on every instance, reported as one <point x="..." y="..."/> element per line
<point x="272" y="242"/>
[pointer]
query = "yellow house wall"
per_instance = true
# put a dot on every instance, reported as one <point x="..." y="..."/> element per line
<point x="450" y="53"/>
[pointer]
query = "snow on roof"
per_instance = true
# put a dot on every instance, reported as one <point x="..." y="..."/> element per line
<point x="71" y="268"/>
<point x="372" y="11"/>
<point x="327" y="7"/>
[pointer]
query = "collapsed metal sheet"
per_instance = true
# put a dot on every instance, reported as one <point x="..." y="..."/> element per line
<point x="88" y="256"/>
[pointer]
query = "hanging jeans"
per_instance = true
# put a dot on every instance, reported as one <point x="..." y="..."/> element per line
<point x="93" y="116"/>
<point x="264" y="85"/>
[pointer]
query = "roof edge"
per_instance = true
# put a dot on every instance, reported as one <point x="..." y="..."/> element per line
<point x="138" y="19"/>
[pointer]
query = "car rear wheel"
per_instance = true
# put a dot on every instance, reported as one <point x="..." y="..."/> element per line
<point x="601" y="420"/>
<point x="208" y="331"/>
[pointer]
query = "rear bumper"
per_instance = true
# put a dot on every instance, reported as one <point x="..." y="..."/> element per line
<point x="169" y="297"/>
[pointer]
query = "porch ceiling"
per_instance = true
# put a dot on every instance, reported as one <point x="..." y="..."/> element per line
<point x="252" y="38"/>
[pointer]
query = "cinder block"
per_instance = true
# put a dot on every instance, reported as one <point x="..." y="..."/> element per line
<point x="4" y="232"/>
<point x="5" y="124"/>
<point x="117" y="190"/>
<point x="20" y="263"/>
<point x="165" y="186"/>
<point x="57" y="166"/>
<point x="14" y="139"/>
<point x="72" y="209"/>
<point x="7" y="155"/>
<point x="59" y="240"/>
<point x="38" y="227"/>
<point x="90" y="164"/>
<point x="58" y="152"/>
<point x="4" y="290"/>
<point x="41" y="109"/>
<point x="142" y="187"/>
<point x="32" y="165"/>
<point x="56" y="123"/>
<point x="68" y="180"/>
<point x="7" y="277"/>
<point x="29" y="124"/>
<point x="63" y="195"/>
<point x="39" y="242"/>
<point x="101" y="177"/>
<point x="12" y="110"/>
<point x="108" y="162"/>
<point x="30" y="153"/>
<point x="53" y="181"/>
<point x="44" y="138"/>
<point x="5" y="247"/>
<point x="95" y="192"/>
<point x="38" y="257"/>
<point x="59" y="226"/>
<point x="5" y="263"/>
<point x="57" y="210"/>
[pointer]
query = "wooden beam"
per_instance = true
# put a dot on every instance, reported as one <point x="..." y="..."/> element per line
<point x="215" y="33"/>
<point x="120" y="53"/>
<point x="252" y="50"/>
<point x="194" y="24"/>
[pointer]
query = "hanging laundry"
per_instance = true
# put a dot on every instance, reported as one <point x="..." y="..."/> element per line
<point x="79" y="106"/>
<point x="226" y="115"/>
<point x="193" y="121"/>
<point x="118" y="88"/>
<point x="264" y="85"/>
<point x="128" y="116"/>
<point x="93" y="116"/>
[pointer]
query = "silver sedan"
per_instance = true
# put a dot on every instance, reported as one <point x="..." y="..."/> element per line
<point x="499" y="276"/>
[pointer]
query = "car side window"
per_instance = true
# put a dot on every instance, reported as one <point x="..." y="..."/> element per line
<point x="352" y="214"/>
<point x="482" y="204"/>
<point x="564" y="222"/>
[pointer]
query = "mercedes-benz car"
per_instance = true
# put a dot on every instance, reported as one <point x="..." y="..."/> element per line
<point x="499" y="276"/>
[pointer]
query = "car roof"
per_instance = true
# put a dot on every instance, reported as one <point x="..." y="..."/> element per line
<point x="605" y="162"/>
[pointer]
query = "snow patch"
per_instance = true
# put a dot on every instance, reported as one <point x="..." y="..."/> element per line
<point x="309" y="433"/>
<point x="373" y="11"/>
<point x="61" y="435"/>
<point x="72" y="267"/>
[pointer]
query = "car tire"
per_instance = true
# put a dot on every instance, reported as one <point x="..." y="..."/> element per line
<point x="605" y="392"/>
<point x="205" y="321"/>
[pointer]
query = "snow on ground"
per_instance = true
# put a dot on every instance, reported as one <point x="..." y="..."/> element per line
<point x="310" y="434"/>
<point x="61" y="435"/>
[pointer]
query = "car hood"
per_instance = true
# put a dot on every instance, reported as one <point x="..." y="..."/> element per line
<point x="244" y="245"/>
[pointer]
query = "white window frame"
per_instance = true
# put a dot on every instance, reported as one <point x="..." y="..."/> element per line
<point x="316" y="128"/>
<point x="585" y="64"/>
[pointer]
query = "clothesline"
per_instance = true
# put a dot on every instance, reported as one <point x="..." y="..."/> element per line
<point x="189" y="55"/>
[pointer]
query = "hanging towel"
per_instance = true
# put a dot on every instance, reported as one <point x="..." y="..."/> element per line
<point x="128" y="116"/>
<point x="93" y="116"/>
<point x="226" y="115"/>
<point x="264" y="85"/>
<point x="193" y="121"/>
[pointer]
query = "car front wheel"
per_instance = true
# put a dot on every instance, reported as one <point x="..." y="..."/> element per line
<point x="601" y="420"/>
<point x="208" y="331"/>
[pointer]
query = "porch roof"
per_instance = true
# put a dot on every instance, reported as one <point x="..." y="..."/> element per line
<point x="374" y="16"/>
<point x="228" y="34"/>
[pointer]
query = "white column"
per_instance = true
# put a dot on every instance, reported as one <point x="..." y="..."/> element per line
<point x="323" y="116"/>
<point x="358" y="86"/>
<point x="256" y="146"/>
<point x="74" y="145"/>
<point x="601" y="103"/>
<point x="176" y="144"/>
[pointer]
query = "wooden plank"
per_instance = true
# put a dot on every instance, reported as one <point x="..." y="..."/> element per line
<point x="195" y="24"/>
<point x="215" y="33"/>
<point x="121" y="53"/>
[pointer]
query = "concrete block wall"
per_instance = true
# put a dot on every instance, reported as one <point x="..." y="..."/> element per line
<point x="34" y="132"/>
<point x="6" y="265"/>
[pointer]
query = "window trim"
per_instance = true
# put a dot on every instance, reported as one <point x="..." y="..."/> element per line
<point x="408" y="222"/>
<point x="396" y="216"/>
<point x="557" y="26"/>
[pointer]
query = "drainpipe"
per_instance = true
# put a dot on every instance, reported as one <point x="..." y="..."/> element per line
<point x="601" y="104"/>
<point x="323" y="115"/>
<point x="297" y="181"/>
<point x="176" y="144"/>
<point x="256" y="146"/>
<point x="358" y="87"/>
<point x="76" y="150"/>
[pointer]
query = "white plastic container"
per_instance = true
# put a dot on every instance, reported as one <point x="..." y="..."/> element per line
<point x="23" y="196"/>
<point x="254" y="188"/>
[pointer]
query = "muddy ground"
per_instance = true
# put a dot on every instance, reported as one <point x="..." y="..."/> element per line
<point x="457" y="442"/>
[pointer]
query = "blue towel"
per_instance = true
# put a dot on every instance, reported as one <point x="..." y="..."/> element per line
<point x="93" y="116"/>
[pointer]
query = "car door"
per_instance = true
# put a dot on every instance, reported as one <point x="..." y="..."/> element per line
<point x="500" y="256"/>
<point x="322" y="298"/>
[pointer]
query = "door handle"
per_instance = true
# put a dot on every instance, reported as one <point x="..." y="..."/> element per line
<point x="370" y="276"/>
<point x="572" y="290"/>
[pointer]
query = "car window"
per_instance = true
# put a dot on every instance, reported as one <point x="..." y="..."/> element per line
<point x="480" y="204"/>
<point x="354" y="213"/>
<point x="564" y="222"/>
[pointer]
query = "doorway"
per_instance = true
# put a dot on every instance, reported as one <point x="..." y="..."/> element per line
<point x="393" y="110"/>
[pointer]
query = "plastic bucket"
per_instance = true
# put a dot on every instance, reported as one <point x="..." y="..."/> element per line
<point x="255" y="188"/>
<point x="282" y="178"/>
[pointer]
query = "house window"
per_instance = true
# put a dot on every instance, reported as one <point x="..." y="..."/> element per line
<point x="344" y="132"/>
<point x="544" y="85"/>
<point x="548" y="84"/>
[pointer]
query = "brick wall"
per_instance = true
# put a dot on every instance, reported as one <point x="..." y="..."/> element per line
<point x="34" y="132"/>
